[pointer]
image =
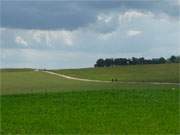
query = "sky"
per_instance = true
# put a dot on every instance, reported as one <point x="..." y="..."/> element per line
<point x="74" y="34"/>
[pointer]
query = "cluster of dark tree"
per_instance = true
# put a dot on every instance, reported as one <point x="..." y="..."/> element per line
<point x="135" y="61"/>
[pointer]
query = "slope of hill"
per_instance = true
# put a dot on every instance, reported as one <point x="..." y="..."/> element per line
<point x="147" y="73"/>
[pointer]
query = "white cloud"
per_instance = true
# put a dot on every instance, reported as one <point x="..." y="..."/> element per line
<point x="37" y="36"/>
<point x="133" y="32"/>
<point x="104" y="23"/>
<point x="105" y="36"/>
<point x="111" y="21"/>
<point x="67" y="37"/>
<point x="104" y="18"/>
<point x="129" y="15"/>
<point x="20" y="40"/>
<point x="62" y="36"/>
<point x="2" y="29"/>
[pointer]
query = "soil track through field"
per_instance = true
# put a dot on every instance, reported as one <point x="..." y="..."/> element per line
<point x="88" y="80"/>
<point x="74" y="78"/>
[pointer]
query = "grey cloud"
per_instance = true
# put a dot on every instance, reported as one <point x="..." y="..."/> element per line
<point x="72" y="15"/>
<point x="169" y="7"/>
<point x="44" y="15"/>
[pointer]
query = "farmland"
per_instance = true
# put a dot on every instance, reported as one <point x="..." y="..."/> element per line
<point x="34" y="102"/>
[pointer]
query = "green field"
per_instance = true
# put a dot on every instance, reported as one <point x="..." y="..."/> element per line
<point x="147" y="73"/>
<point x="38" y="82"/>
<point x="40" y="103"/>
<point x="96" y="112"/>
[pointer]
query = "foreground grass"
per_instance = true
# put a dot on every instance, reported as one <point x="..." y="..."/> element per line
<point x="147" y="73"/>
<point x="135" y="111"/>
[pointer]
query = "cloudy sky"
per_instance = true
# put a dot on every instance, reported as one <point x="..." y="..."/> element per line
<point x="73" y="34"/>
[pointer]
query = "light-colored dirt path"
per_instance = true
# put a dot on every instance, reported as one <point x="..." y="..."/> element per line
<point x="74" y="78"/>
<point x="88" y="80"/>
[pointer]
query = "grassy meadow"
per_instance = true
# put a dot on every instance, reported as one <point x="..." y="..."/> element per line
<point x="40" y="103"/>
<point x="95" y="112"/>
<point x="142" y="73"/>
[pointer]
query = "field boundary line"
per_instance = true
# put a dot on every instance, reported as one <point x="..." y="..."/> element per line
<point x="89" y="80"/>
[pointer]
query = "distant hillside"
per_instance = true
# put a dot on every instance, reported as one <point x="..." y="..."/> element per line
<point x="147" y="73"/>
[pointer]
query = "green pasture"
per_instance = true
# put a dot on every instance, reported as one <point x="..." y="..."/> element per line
<point x="136" y="111"/>
<point x="139" y="73"/>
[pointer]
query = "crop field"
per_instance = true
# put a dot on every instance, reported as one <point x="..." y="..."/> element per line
<point x="35" y="102"/>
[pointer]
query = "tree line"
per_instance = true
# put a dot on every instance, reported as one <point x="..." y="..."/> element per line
<point x="108" y="62"/>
